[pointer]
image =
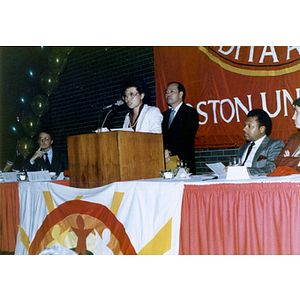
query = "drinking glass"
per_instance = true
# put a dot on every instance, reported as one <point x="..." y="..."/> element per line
<point x="234" y="161"/>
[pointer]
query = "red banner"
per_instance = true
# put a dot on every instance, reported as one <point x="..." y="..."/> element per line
<point x="225" y="82"/>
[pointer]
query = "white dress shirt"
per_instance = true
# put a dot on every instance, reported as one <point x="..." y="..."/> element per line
<point x="248" y="162"/>
<point x="177" y="108"/>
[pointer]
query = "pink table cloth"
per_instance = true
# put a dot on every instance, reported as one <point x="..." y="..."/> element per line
<point x="247" y="218"/>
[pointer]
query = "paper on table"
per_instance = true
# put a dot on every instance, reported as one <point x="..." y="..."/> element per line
<point x="104" y="129"/>
<point x="10" y="177"/>
<point x="61" y="176"/>
<point x="122" y="129"/>
<point x="237" y="173"/>
<point x="39" y="176"/>
<point x="217" y="168"/>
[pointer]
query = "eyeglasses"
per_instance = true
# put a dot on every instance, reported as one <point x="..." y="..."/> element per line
<point x="44" y="139"/>
<point x="130" y="96"/>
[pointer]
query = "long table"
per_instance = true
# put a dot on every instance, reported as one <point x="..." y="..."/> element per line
<point x="256" y="216"/>
<point x="133" y="217"/>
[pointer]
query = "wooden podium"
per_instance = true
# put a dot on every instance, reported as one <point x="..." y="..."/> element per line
<point x="98" y="159"/>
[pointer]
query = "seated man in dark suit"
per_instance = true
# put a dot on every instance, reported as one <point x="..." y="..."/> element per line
<point x="46" y="157"/>
<point x="259" y="154"/>
<point x="179" y="126"/>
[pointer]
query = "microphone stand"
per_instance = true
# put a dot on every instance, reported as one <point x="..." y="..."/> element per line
<point x="118" y="103"/>
<point x="104" y="119"/>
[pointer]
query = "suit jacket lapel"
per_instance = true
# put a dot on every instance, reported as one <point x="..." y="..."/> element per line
<point x="167" y="119"/>
<point x="54" y="160"/>
<point x="260" y="149"/>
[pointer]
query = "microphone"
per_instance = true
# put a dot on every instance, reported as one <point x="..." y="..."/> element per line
<point x="118" y="103"/>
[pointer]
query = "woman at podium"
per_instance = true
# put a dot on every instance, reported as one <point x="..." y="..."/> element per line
<point x="142" y="117"/>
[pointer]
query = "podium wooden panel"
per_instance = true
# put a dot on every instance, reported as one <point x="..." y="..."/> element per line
<point x="98" y="159"/>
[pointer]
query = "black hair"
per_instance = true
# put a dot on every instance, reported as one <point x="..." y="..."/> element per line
<point x="296" y="102"/>
<point x="139" y="84"/>
<point x="263" y="119"/>
<point x="48" y="131"/>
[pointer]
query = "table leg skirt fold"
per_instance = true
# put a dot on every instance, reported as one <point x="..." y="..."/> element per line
<point x="256" y="218"/>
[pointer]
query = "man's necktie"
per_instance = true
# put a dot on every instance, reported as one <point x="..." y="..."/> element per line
<point x="248" y="152"/>
<point x="172" y="115"/>
<point x="47" y="160"/>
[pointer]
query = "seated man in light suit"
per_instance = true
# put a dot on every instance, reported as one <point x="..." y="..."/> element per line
<point x="259" y="154"/>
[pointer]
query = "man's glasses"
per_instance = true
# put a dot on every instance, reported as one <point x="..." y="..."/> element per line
<point x="44" y="139"/>
<point x="130" y="96"/>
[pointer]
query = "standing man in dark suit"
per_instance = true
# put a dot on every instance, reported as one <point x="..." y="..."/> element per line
<point x="179" y="126"/>
<point x="259" y="154"/>
<point x="46" y="157"/>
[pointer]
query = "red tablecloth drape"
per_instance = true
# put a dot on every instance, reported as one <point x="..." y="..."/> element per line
<point x="9" y="215"/>
<point x="254" y="218"/>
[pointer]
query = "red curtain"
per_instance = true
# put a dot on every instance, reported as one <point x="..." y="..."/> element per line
<point x="224" y="82"/>
<point x="256" y="218"/>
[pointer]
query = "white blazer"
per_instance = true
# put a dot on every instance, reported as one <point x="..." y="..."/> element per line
<point x="149" y="120"/>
